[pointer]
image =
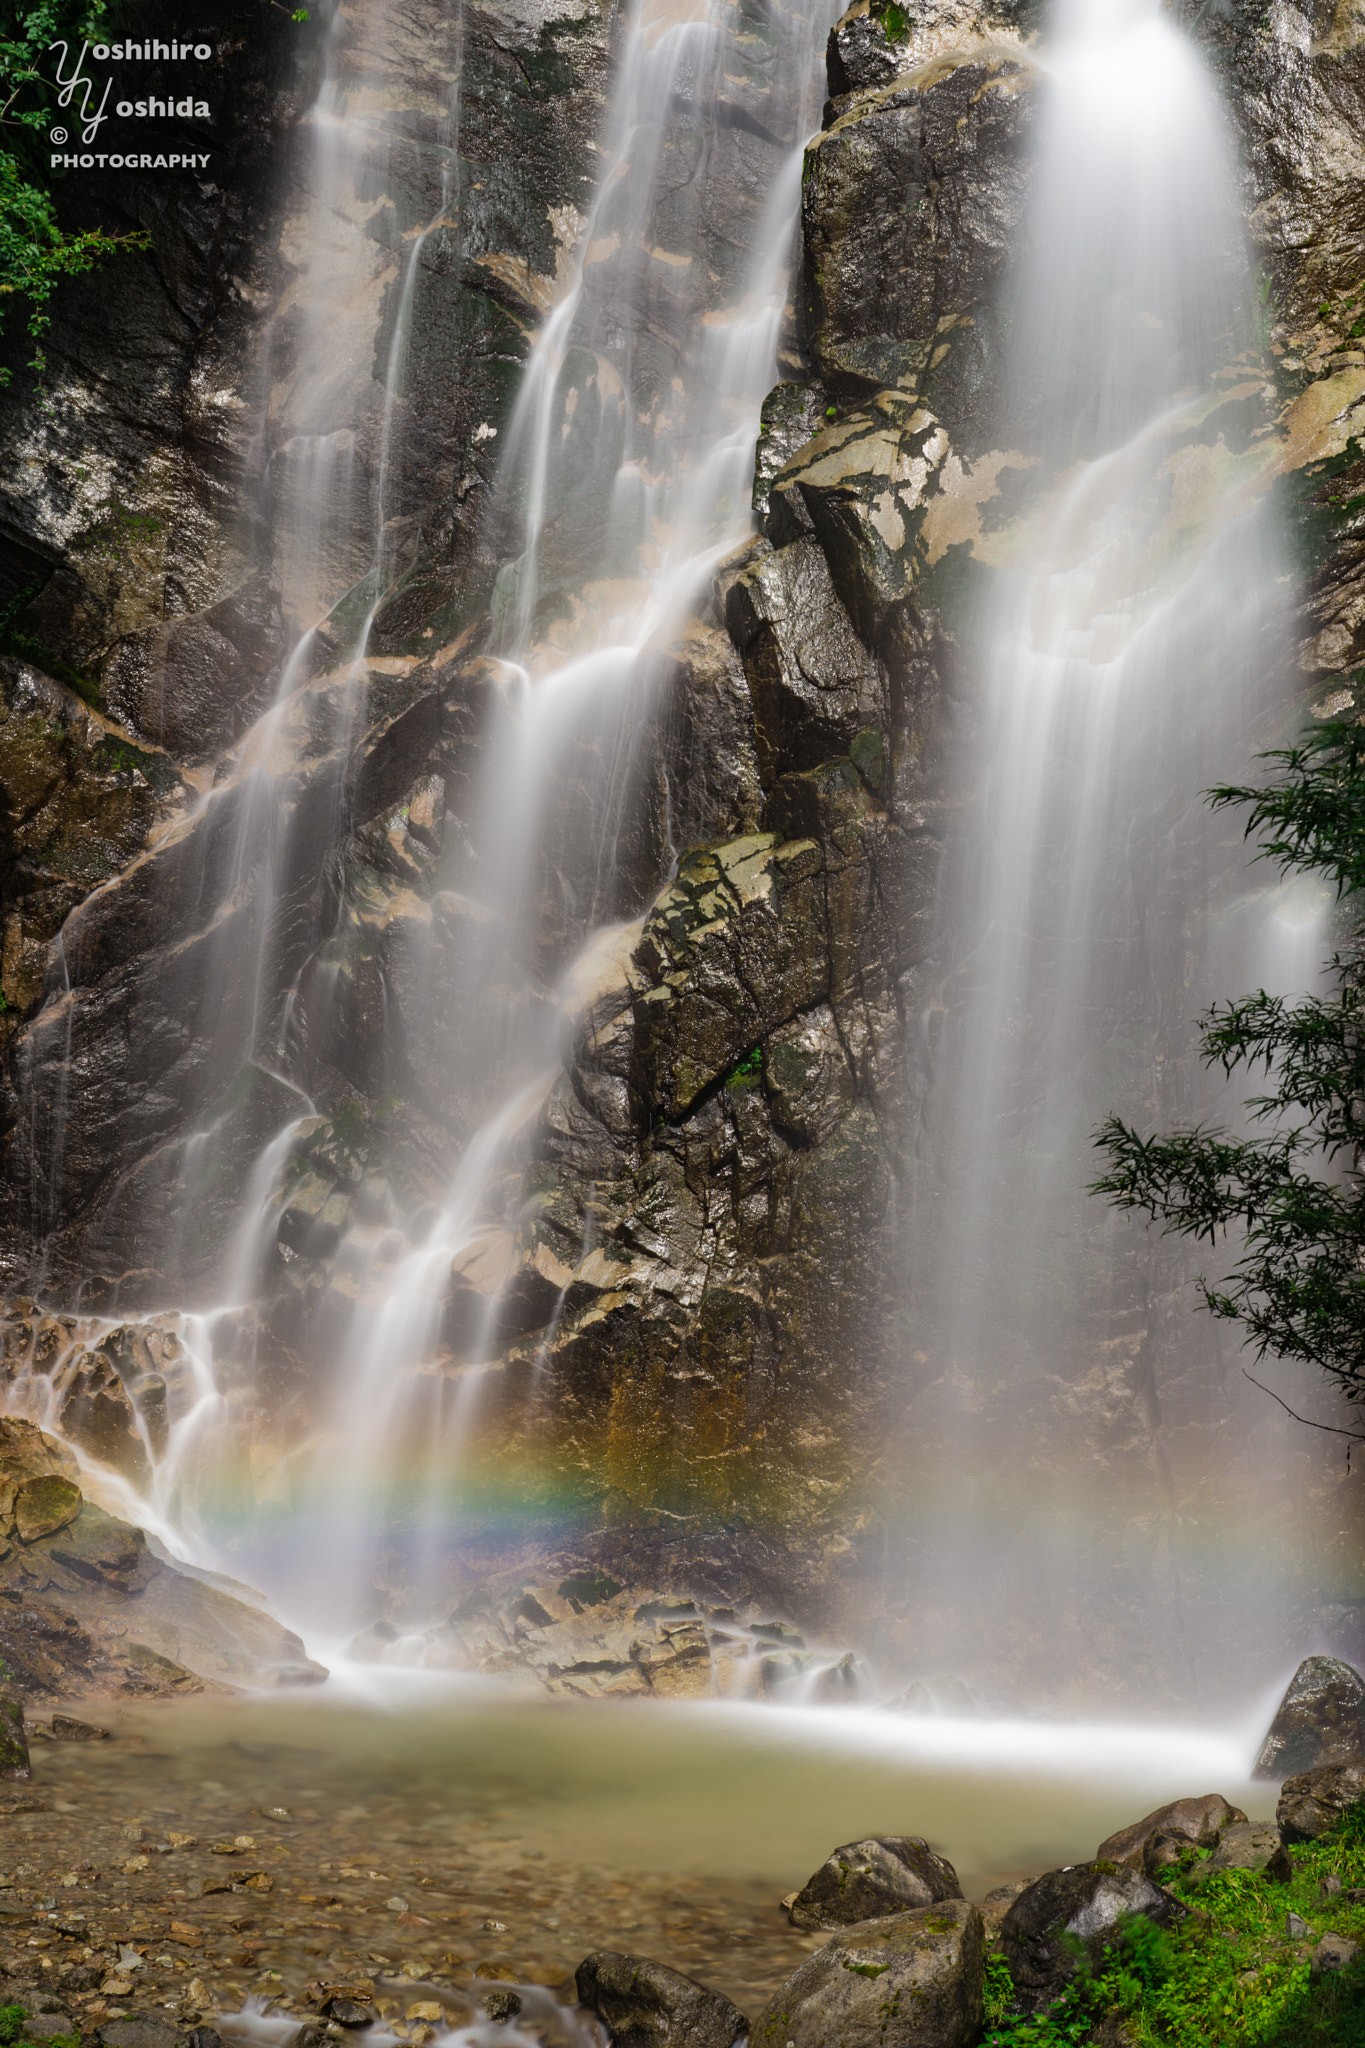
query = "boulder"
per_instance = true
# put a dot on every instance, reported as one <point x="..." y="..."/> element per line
<point x="912" y="1979"/>
<point x="1248" y="1845"/>
<point x="867" y="1880"/>
<point x="997" y="1903"/>
<point x="1067" y="1920"/>
<point x="1314" y="1801"/>
<point x="44" y="1505"/>
<point x="647" y="2005"/>
<point x="1334" y="1953"/>
<point x="1194" y="1820"/>
<point x="1320" y="1720"/>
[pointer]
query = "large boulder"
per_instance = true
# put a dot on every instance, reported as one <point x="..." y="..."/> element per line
<point x="1320" y="1720"/>
<point x="1314" y="1801"/>
<point x="1068" y="1920"/>
<point x="647" y="2005"/>
<point x="913" y="1979"/>
<point x="867" y="1880"/>
<point x="1199" y="1821"/>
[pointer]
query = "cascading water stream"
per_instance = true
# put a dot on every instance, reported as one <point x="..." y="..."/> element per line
<point x="625" y="477"/>
<point x="398" y="1422"/>
<point x="1088" y="914"/>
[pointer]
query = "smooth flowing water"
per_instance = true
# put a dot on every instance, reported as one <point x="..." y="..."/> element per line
<point x="1093" y="907"/>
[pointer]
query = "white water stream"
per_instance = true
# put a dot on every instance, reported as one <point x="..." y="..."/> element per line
<point x="1094" y="907"/>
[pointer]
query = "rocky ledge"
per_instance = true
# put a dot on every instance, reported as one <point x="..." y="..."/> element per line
<point x="88" y="1606"/>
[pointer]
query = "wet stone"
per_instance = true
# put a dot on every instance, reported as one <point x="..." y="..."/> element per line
<point x="14" y="1760"/>
<point x="868" y="1879"/>
<point x="502" y="2005"/>
<point x="139" y="2031"/>
<point x="65" y="1728"/>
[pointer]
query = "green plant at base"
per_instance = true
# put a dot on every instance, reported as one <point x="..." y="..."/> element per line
<point x="1228" y="1977"/>
<point x="12" y="2018"/>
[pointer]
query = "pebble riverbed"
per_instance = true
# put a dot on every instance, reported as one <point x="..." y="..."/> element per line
<point x="228" y="1857"/>
<point x="147" y="1882"/>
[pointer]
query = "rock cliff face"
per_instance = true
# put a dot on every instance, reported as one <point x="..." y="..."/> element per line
<point x="692" y="1303"/>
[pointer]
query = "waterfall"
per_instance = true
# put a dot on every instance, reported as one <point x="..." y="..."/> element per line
<point x="1091" y="907"/>
<point x="624" y="477"/>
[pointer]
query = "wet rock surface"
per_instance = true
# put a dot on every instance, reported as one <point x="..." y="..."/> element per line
<point x="696" y="1265"/>
<point x="135" y="1892"/>
<point x="646" y="2005"/>
<point x="1320" y="1720"/>
<point x="86" y="1605"/>
<point x="870" y="1879"/>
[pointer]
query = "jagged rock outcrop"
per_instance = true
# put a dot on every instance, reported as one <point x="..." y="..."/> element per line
<point x="86" y="1606"/>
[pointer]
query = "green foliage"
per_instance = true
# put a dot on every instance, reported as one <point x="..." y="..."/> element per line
<point x="1293" y="1192"/>
<point x="1229" y="1977"/>
<point x="893" y="19"/>
<point x="35" y="253"/>
<point x="746" y="1071"/>
<point x="12" y="2018"/>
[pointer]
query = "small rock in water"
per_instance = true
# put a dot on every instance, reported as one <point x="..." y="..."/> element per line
<point x="65" y="1728"/>
<point x="349" y="2012"/>
<point x="500" y="2005"/>
<point x="841" y="1681"/>
<point x="946" y="1696"/>
<point x="1320" y="1720"/>
<point x="867" y="1880"/>
<point x="494" y="1926"/>
<point x="647" y="2005"/>
<point x="14" y="1761"/>
<point x="139" y="2031"/>
<point x="46" y="2026"/>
